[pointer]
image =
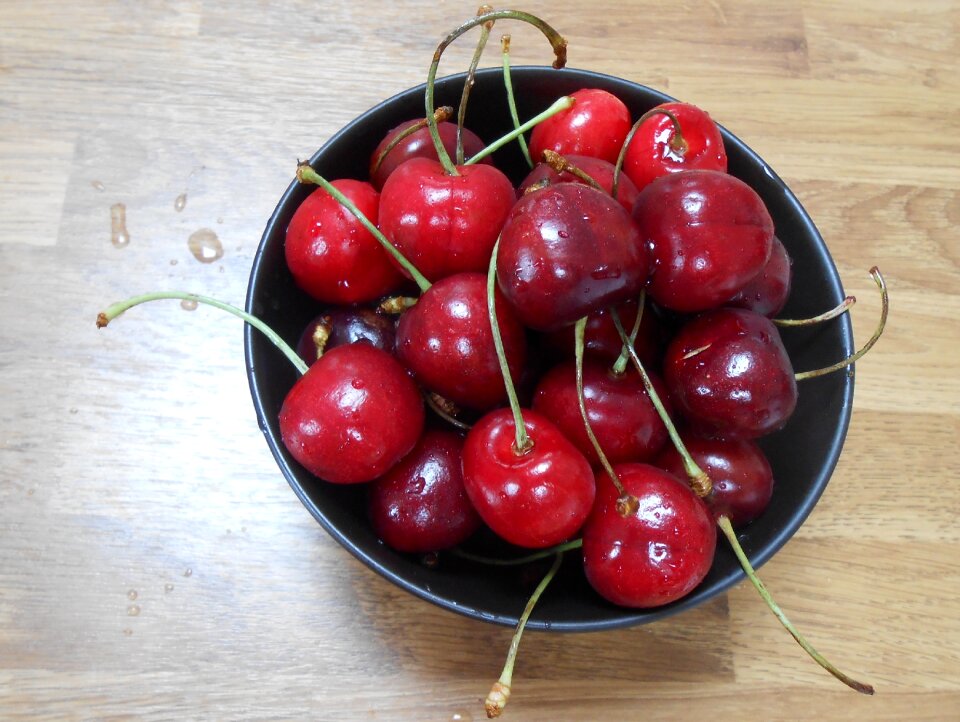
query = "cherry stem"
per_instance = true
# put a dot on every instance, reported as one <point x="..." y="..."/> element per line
<point x="116" y="309"/>
<point x="437" y="407"/>
<point x="523" y="442"/>
<point x="560" y="104"/>
<point x="471" y="78"/>
<point x="306" y="174"/>
<point x="727" y="528"/>
<point x="620" y="365"/>
<point x="556" y="40"/>
<point x="677" y="142"/>
<point x="699" y="481"/>
<point x="500" y="692"/>
<point x="542" y="554"/>
<point x="885" y="300"/>
<point x="511" y="100"/>
<point x="562" y="165"/>
<point x="440" y="114"/>
<point x="825" y="316"/>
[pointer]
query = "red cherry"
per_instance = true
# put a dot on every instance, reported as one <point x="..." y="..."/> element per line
<point x="768" y="292"/>
<point x="445" y="224"/>
<point x="729" y="374"/>
<point x="353" y="415"/>
<point x="652" y="152"/>
<point x="347" y="325"/>
<point x="331" y="255"/>
<point x="420" y="145"/>
<point x="709" y="235"/>
<point x="655" y="555"/>
<point x="624" y="420"/>
<point x="533" y="499"/>
<point x="568" y="250"/>
<point x="596" y="125"/>
<point x="600" y="170"/>
<point x="447" y="341"/>
<point x="420" y="505"/>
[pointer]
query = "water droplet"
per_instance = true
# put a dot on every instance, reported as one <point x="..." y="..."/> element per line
<point x="98" y="185"/>
<point x="188" y="573"/>
<point x="132" y="594"/>
<point x="133" y="610"/>
<point x="174" y="261"/>
<point x="221" y="269"/>
<point x="119" y="236"/>
<point x="219" y="220"/>
<point x="30" y="492"/>
<point x="167" y="587"/>
<point x="461" y="716"/>
<point x="180" y="203"/>
<point x="74" y="410"/>
<point x="243" y="529"/>
<point x="563" y="234"/>
<point x="229" y="531"/>
<point x="357" y="384"/>
<point x="127" y="632"/>
<point x="605" y="272"/>
<point x="418" y="486"/>
<point x="205" y="246"/>
<point x="188" y="304"/>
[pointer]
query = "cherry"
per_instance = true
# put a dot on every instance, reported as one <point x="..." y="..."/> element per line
<point x="567" y="250"/>
<point x="353" y="415"/>
<point x="534" y="497"/>
<point x="730" y="375"/>
<point x="768" y="292"/>
<point x="709" y="234"/>
<point x="625" y="422"/>
<point x="331" y="255"/>
<point x="656" y="149"/>
<point x="447" y="341"/>
<point x="340" y="326"/>
<point x="420" y="505"/>
<point x="596" y="125"/>
<point x="741" y="475"/>
<point x="654" y="555"/>
<point x="600" y="170"/>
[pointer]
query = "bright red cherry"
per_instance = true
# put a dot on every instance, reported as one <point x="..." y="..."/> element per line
<point x="533" y="499"/>
<point x="729" y="374"/>
<point x="447" y="341"/>
<point x="567" y="250"/>
<point x="347" y="325"/>
<point x="600" y="170"/>
<point x="709" y="234"/>
<point x="654" y="150"/>
<point x="655" y="555"/>
<point x="353" y="415"/>
<point x="420" y="505"/>
<point x="596" y="125"/>
<point x="768" y="292"/>
<point x="445" y="224"/>
<point x="331" y="255"/>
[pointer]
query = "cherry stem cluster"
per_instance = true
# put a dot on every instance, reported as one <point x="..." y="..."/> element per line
<point x="440" y="114"/>
<point x="562" y="165"/>
<point x="677" y="142"/>
<point x="471" y="78"/>
<point x="560" y="104"/>
<point x="511" y="99"/>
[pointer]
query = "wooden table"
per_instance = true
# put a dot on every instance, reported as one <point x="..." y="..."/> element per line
<point x="153" y="562"/>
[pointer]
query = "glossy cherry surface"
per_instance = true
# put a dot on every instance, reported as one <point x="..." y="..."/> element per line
<point x="419" y="144"/>
<point x="348" y="325"/>
<point x="709" y="233"/>
<point x="353" y="415"/>
<point x="729" y="374"/>
<point x="567" y="250"/>
<point x="533" y="499"/>
<point x="768" y="292"/>
<point x="600" y="170"/>
<point x="445" y="224"/>
<point x="420" y="505"/>
<point x="446" y="340"/>
<point x="596" y="125"/>
<point x="655" y="555"/>
<point x="331" y="255"/>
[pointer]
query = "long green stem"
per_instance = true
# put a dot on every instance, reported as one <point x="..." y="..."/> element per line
<point x="620" y="365"/>
<point x="471" y="78"/>
<point x="542" y="554"/>
<point x="727" y="528"/>
<point x="500" y="693"/>
<point x="556" y="41"/>
<point x="560" y="104"/>
<point x="116" y="309"/>
<point x="677" y="143"/>
<point x="306" y="174"/>
<point x="511" y="100"/>
<point x="820" y="318"/>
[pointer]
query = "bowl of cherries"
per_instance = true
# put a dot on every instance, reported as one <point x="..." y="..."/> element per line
<point x="558" y="350"/>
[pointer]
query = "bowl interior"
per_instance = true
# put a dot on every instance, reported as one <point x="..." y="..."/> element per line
<point x="803" y="454"/>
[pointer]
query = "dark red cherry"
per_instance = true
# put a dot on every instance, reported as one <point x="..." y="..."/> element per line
<point x="653" y="150"/>
<point x="624" y="420"/>
<point x="566" y="251"/>
<point x="709" y="233"/>
<point x="533" y="499"/>
<point x="446" y="340"/>
<point x="331" y="255"/>
<point x="768" y="292"/>
<point x="420" y="505"/>
<point x="419" y="145"/>
<point x="596" y="125"/>
<point x="347" y="325"/>
<point x="600" y="170"/>
<point x="655" y="555"/>
<point x="445" y="224"/>
<point x="353" y="415"/>
<point x="741" y="475"/>
<point x="729" y="374"/>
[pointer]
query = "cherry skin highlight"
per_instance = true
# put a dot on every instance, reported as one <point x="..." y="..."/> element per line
<point x="534" y="499"/>
<point x="768" y="292"/>
<point x="353" y="415"/>
<point x="331" y="255"/>
<point x="655" y="555"/>
<point x="348" y="325"/>
<point x="600" y="170"/>
<point x="596" y="125"/>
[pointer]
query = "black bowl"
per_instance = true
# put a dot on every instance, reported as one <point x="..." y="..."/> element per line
<point x="803" y="454"/>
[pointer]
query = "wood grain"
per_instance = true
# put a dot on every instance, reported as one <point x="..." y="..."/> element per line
<point x="153" y="562"/>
